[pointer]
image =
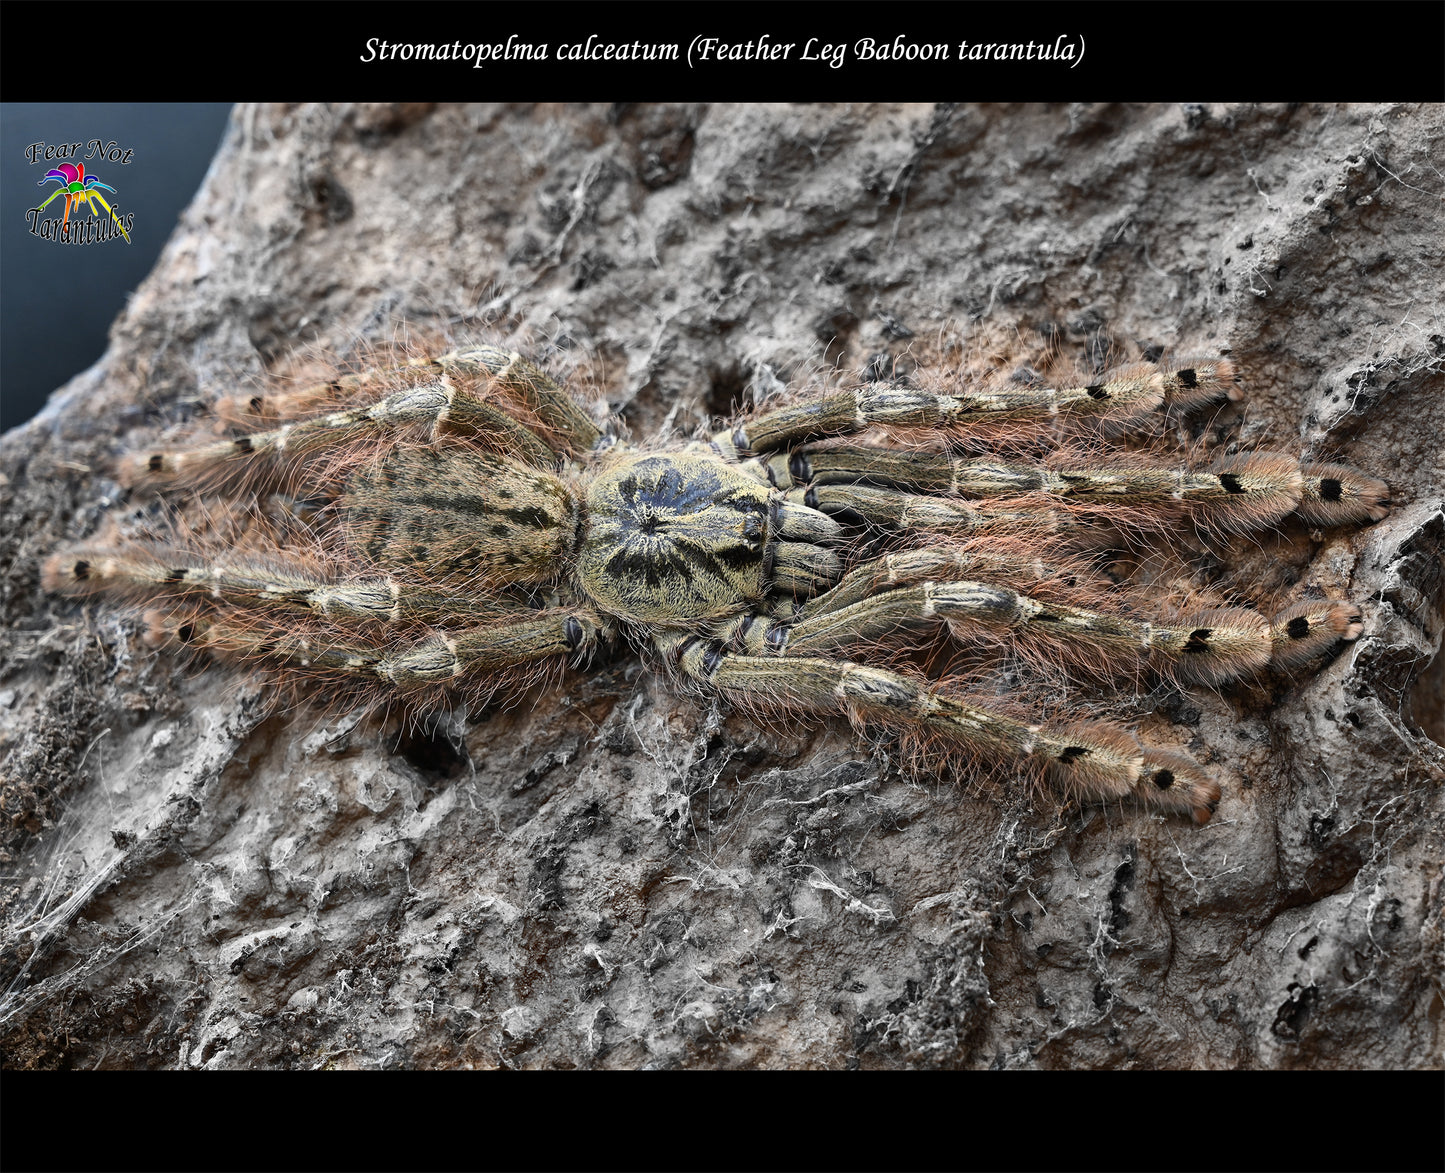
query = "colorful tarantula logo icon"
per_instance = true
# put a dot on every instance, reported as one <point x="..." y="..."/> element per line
<point x="79" y="188"/>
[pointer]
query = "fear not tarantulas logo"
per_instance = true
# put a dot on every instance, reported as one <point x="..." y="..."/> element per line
<point x="79" y="191"/>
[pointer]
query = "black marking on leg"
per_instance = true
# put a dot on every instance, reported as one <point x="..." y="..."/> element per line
<point x="572" y="632"/>
<point x="81" y="570"/>
<point x="712" y="659"/>
<point x="156" y="463"/>
<point x="1097" y="391"/>
<point x="1163" y="779"/>
<point x="799" y="468"/>
<point x="1298" y="627"/>
<point x="1330" y="489"/>
<point x="1073" y="753"/>
<point x="257" y="404"/>
<point x="769" y="559"/>
<point x="1188" y="377"/>
<point x="810" y="498"/>
<point x="1231" y="483"/>
<point x="1198" y="640"/>
<point x="186" y="632"/>
<point x="777" y="637"/>
<point x="176" y="575"/>
<point x="243" y="444"/>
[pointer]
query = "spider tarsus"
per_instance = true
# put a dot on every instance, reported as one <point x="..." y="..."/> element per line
<point x="1335" y="494"/>
<point x="1311" y="629"/>
<point x="1174" y="784"/>
<point x="1193" y="383"/>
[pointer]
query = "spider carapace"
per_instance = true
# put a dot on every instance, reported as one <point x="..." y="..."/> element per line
<point x="448" y="525"/>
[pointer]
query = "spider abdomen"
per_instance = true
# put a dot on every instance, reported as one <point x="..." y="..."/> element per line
<point x="676" y="538"/>
<point x="461" y="515"/>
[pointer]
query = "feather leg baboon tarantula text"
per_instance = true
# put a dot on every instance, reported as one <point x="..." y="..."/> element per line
<point x="454" y="524"/>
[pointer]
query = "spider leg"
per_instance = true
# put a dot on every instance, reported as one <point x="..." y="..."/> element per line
<point x="439" y="660"/>
<point x="147" y="571"/>
<point x="937" y="514"/>
<point x="1211" y="646"/>
<point x="937" y="564"/>
<point x="1336" y="494"/>
<point x="1121" y="394"/>
<point x="1208" y="647"/>
<point x="912" y="590"/>
<point x="1240" y="492"/>
<point x="506" y="371"/>
<point x="530" y="386"/>
<point x="441" y="405"/>
<point x="1090" y="762"/>
<point x="1309" y="629"/>
<point x="268" y="610"/>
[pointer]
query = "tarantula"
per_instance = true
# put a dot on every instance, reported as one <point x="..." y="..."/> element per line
<point x="452" y="523"/>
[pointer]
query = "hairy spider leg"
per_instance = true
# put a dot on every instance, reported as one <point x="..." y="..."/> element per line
<point x="1336" y="494"/>
<point x="509" y="642"/>
<point x="1211" y="646"/>
<point x="506" y="372"/>
<point x="1208" y="646"/>
<point x="143" y="571"/>
<point x="940" y="515"/>
<point x="440" y="404"/>
<point x="530" y="386"/>
<point x="447" y="403"/>
<point x="1124" y="394"/>
<point x="1010" y="562"/>
<point x="1089" y="762"/>
<point x="1241" y="492"/>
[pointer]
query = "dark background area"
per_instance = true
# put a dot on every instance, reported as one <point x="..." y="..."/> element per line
<point x="57" y="301"/>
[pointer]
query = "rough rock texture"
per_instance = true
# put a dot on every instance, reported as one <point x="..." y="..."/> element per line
<point x="621" y="877"/>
